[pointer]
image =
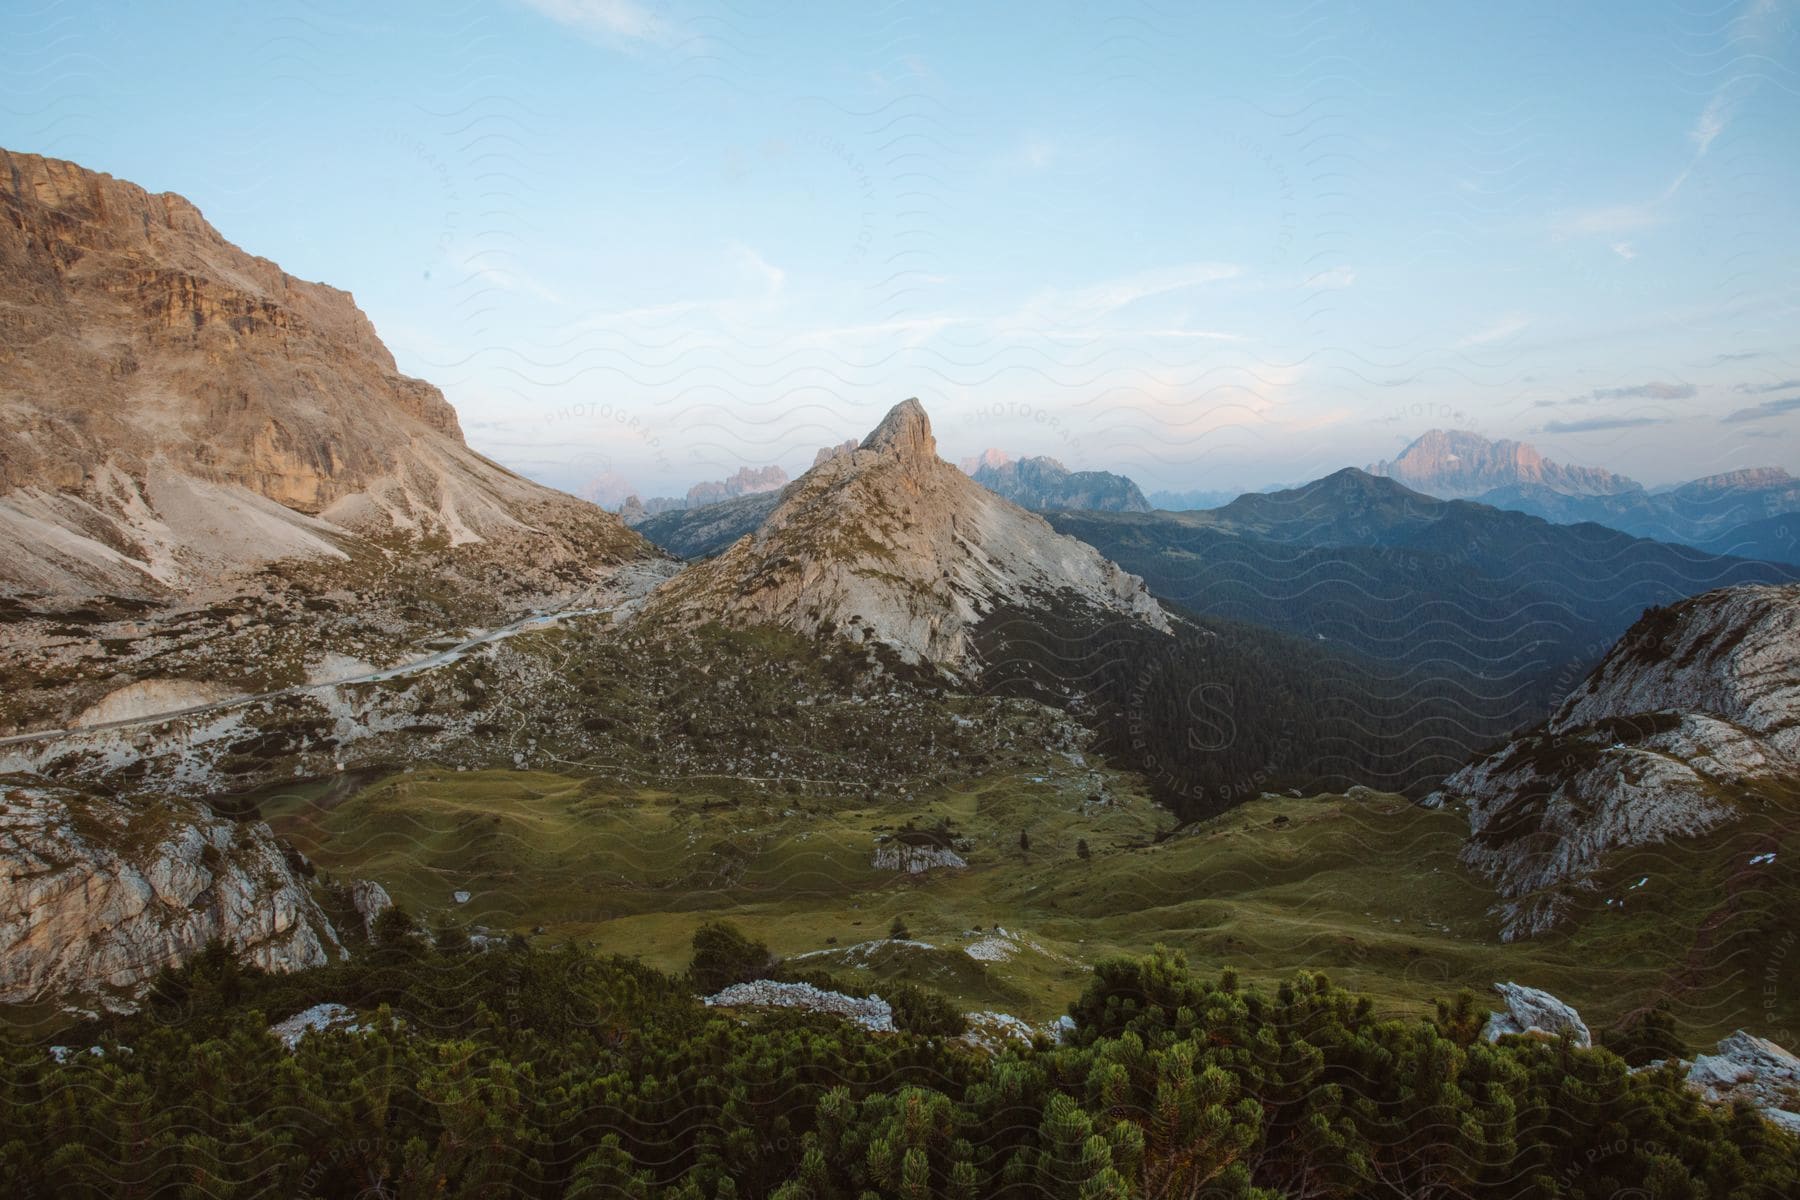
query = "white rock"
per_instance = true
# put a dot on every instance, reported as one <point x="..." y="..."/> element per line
<point x="1753" y="1070"/>
<point x="371" y="900"/>
<point x="460" y="897"/>
<point x="97" y="895"/>
<point x="1529" y="1010"/>
<point x="872" y="1012"/>
<point x="1679" y="712"/>
<point x="317" y="1019"/>
<point x="915" y="860"/>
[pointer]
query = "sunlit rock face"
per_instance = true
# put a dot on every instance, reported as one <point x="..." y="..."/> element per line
<point x="1695" y="702"/>
<point x="891" y="544"/>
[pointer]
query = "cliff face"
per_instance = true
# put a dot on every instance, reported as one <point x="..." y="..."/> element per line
<point x="1456" y="465"/>
<point x="171" y="406"/>
<point x="1694" y="704"/>
<point x="98" y="895"/>
<point x="891" y="544"/>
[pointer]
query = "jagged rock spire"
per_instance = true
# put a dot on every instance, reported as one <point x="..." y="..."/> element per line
<point x="905" y="433"/>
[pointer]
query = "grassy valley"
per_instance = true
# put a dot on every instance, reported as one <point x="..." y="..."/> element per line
<point x="1365" y="887"/>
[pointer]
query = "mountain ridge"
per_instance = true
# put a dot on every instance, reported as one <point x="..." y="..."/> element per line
<point x="1458" y="464"/>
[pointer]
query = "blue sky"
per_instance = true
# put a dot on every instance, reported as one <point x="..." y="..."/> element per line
<point x="641" y="243"/>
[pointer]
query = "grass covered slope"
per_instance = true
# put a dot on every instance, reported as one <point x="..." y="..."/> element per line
<point x="1366" y="887"/>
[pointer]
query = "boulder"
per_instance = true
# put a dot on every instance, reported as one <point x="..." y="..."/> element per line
<point x="1529" y="1010"/>
<point x="1754" y="1071"/>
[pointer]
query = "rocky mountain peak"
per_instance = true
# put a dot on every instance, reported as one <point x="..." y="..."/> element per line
<point x="904" y="433"/>
<point x="894" y="545"/>
<point x="1456" y="464"/>
<point x="1750" y="478"/>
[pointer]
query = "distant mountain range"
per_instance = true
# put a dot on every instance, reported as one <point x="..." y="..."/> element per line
<point x="1044" y="483"/>
<point x="1172" y="501"/>
<point x="1737" y="513"/>
<point x="1454" y="464"/>
<point x="1510" y="606"/>
<point x="745" y="481"/>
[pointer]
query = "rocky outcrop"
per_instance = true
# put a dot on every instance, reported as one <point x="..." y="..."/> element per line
<point x="891" y="544"/>
<point x="370" y="900"/>
<point x="97" y="895"/>
<point x="1750" y="1070"/>
<point x="1044" y="483"/>
<point x="1694" y="702"/>
<point x="916" y="860"/>
<point x="871" y="1012"/>
<point x="1529" y="1010"/>
<point x="1453" y="464"/>
<point x="320" y="1018"/>
<point x="172" y="407"/>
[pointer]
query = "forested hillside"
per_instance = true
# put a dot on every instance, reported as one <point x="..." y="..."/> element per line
<point x="517" y="1072"/>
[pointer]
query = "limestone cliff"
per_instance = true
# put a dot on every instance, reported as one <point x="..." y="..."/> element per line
<point x="891" y="544"/>
<point x="172" y="407"/>
<point x="98" y="895"/>
<point x="1693" y="706"/>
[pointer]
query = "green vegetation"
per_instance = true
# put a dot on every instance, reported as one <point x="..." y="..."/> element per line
<point x="724" y="956"/>
<point x="1217" y="712"/>
<point x="1366" y="886"/>
<point x="566" y="1073"/>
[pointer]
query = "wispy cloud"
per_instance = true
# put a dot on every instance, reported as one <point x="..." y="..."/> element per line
<point x="1499" y="331"/>
<point x="1746" y="33"/>
<point x="1654" y="390"/>
<point x="1332" y="279"/>
<point x="1061" y="307"/>
<point x="1033" y="153"/>
<point x="1763" y="389"/>
<point x="1596" y="424"/>
<point x="1607" y="220"/>
<point x="772" y="277"/>
<point x="612" y="21"/>
<point x="1763" y="411"/>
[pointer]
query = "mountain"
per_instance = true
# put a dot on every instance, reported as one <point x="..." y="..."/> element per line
<point x="1454" y="464"/>
<point x="745" y="481"/>
<point x="1709" y="513"/>
<point x="1504" y="609"/>
<point x="212" y="470"/>
<point x="1194" y="498"/>
<point x="1690" y="723"/>
<point x="1044" y="483"/>
<point x="172" y="408"/>
<point x="891" y="544"/>
<point x="1775" y="538"/>
<point x="704" y="531"/>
